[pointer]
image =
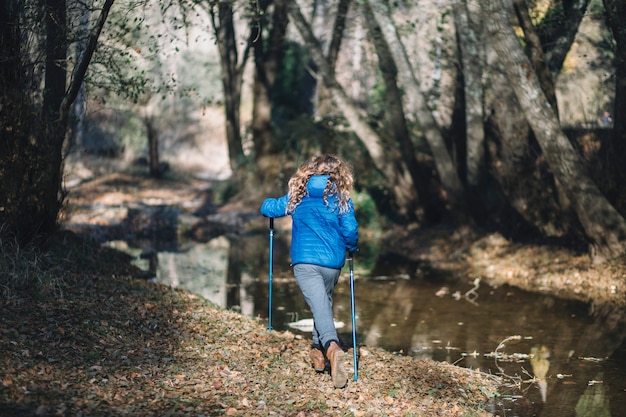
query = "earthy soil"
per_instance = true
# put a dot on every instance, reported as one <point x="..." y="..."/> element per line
<point x="82" y="334"/>
<point x="540" y="268"/>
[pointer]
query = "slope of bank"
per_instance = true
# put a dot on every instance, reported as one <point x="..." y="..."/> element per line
<point x="85" y="338"/>
<point x="536" y="267"/>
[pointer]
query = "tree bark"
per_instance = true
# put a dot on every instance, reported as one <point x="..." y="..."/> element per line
<point x="78" y="74"/>
<point x="527" y="199"/>
<point x="401" y="147"/>
<point x="32" y="153"/>
<point x="268" y="56"/>
<point x="602" y="224"/>
<point x="357" y="121"/>
<point x="559" y="31"/>
<point x="77" y="121"/>
<point x="232" y="76"/>
<point x="54" y="117"/>
<point x="324" y="100"/>
<point x="11" y="74"/>
<point x="533" y="44"/>
<point x="615" y="148"/>
<point x="153" y="147"/>
<point x="472" y="56"/>
<point x="530" y="200"/>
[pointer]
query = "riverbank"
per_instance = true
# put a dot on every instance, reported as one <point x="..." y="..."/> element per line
<point x="536" y="267"/>
<point x="95" y="340"/>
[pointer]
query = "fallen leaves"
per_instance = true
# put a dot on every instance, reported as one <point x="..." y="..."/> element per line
<point x="119" y="346"/>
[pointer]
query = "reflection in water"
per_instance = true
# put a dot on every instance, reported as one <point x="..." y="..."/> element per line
<point x="306" y="325"/>
<point x="557" y="357"/>
<point x="594" y="402"/>
<point x="540" y="363"/>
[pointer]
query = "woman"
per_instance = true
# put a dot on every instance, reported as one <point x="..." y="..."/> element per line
<point x="323" y="228"/>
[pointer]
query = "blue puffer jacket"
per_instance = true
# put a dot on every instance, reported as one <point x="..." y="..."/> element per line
<point x="320" y="235"/>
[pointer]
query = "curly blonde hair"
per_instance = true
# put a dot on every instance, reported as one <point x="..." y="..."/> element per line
<point x="339" y="183"/>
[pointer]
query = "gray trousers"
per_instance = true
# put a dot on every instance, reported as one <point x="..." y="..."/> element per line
<point x="317" y="284"/>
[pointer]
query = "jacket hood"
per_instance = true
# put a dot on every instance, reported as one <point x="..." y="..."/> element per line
<point x="316" y="185"/>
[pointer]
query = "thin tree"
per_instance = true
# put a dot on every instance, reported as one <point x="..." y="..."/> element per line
<point x="471" y="67"/>
<point x="602" y="224"/>
<point x="533" y="44"/>
<point x="223" y="21"/>
<point x="615" y="147"/>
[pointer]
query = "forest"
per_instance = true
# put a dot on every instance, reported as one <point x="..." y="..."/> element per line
<point x="488" y="114"/>
<point x="498" y="120"/>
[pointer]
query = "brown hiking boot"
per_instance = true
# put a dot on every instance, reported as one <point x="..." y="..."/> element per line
<point x="336" y="355"/>
<point x="318" y="359"/>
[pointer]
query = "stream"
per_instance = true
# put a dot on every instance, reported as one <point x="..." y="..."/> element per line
<point x="558" y="358"/>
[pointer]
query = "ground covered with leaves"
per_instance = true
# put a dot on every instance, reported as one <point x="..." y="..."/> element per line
<point x="101" y="342"/>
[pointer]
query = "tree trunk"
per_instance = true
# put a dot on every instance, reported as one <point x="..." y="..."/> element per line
<point x="524" y="197"/>
<point x="443" y="162"/>
<point x="77" y="124"/>
<point x="615" y="148"/>
<point x="603" y="225"/>
<point x="324" y="100"/>
<point x="79" y="71"/>
<point x="472" y="56"/>
<point x="232" y="76"/>
<point x="11" y="73"/>
<point x="153" y="147"/>
<point x="559" y="32"/>
<point x="15" y="121"/>
<point x="512" y="162"/>
<point x="268" y="56"/>
<point x="31" y="160"/>
<point x="533" y="44"/>
<point x="530" y="200"/>
<point x="55" y="122"/>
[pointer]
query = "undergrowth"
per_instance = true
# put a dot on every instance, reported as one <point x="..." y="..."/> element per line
<point x="23" y="269"/>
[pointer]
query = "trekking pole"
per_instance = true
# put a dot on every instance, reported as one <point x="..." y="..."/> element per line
<point x="354" y="347"/>
<point x="271" y="272"/>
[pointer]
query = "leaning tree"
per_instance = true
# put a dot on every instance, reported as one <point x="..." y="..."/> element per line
<point x="603" y="225"/>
